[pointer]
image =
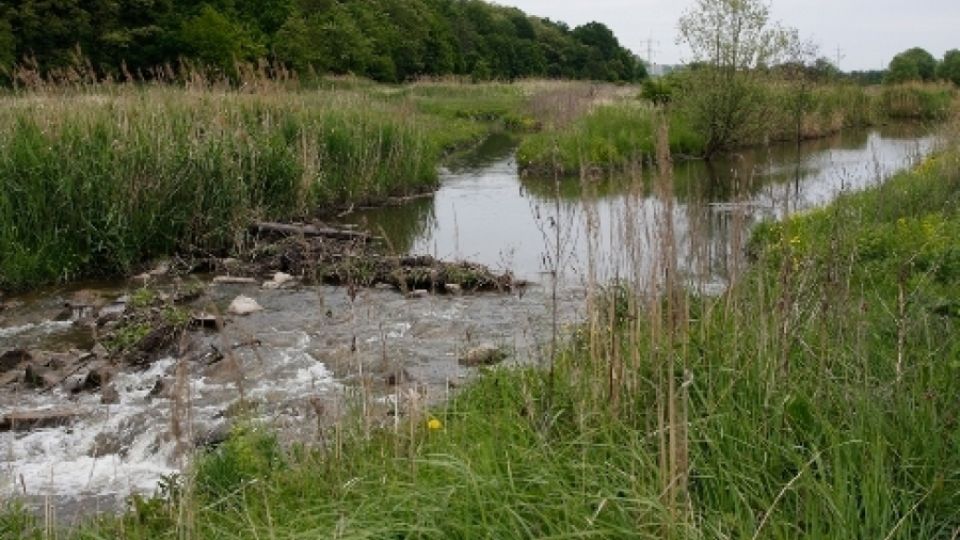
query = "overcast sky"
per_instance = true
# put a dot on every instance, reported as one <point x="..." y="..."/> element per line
<point x="867" y="32"/>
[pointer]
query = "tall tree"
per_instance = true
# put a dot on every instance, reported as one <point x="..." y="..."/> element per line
<point x="914" y="64"/>
<point x="949" y="68"/>
<point x="731" y="41"/>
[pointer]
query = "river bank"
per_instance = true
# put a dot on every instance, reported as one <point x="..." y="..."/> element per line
<point x="815" y="397"/>
<point x="306" y="358"/>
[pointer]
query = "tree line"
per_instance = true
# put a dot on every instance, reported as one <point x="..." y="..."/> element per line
<point x="385" y="40"/>
<point x="918" y="64"/>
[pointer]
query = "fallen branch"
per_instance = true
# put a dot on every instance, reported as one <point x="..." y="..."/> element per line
<point x="307" y="231"/>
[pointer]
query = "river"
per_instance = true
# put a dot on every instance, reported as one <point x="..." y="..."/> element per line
<point x="323" y="351"/>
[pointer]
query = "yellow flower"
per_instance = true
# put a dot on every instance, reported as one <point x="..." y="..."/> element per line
<point x="434" y="424"/>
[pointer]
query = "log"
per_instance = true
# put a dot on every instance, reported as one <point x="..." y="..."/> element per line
<point x="307" y="231"/>
<point x="24" y="421"/>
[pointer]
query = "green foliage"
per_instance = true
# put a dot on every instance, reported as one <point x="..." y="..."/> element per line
<point x="249" y="454"/>
<point x="387" y="40"/>
<point x="949" y="68"/>
<point x="914" y="64"/>
<point x="217" y="41"/>
<point x="734" y="40"/>
<point x="659" y="90"/>
<point x="7" y="47"/>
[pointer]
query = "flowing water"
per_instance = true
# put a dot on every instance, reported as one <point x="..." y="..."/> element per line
<point x="323" y="350"/>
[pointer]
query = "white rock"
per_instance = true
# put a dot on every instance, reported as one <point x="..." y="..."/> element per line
<point x="279" y="280"/>
<point x="453" y="288"/>
<point x="244" y="305"/>
<point x="233" y="280"/>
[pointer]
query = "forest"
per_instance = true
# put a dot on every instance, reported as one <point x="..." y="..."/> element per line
<point x="385" y="40"/>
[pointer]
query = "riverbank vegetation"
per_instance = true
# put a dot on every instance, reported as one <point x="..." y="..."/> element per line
<point x="617" y="133"/>
<point x="815" y="397"/>
<point x="95" y="181"/>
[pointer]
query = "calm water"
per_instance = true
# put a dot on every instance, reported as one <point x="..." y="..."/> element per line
<point x="486" y="212"/>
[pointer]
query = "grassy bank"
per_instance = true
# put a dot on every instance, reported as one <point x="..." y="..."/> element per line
<point x="815" y="398"/>
<point x="93" y="182"/>
<point x="618" y="133"/>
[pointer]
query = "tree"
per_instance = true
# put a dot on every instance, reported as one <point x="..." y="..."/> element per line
<point x="293" y="44"/>
<point x="949" y="68"/>
<point x="217" y="41"/>
<point x="732" y="41"/>
<point x="914" y="64"/>
<point x="8" y="47"/>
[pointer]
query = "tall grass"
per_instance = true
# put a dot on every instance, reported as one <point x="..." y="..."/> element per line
<point x="610" y="136"/>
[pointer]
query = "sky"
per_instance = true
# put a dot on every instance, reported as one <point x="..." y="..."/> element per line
<point x="865" y="33"/>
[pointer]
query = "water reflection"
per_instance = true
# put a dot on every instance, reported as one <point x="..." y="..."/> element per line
<point x="608" y="227"/>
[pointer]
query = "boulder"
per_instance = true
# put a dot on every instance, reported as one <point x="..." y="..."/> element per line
<point x="11" y="360"/>
<point x="99" y="375"/>
<point x="244" y="305"/>
<point x="485" y="355"/>
<point x="279" y="280"/>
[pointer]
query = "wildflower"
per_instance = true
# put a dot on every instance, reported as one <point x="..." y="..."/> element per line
<point x="434" y="424"/>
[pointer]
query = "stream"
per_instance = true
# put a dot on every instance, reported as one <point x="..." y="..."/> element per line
<point x="323" y="350"/>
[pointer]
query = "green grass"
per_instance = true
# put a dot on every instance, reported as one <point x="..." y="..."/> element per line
<point x="816" y="398"/>
<point x="611" y="136"/>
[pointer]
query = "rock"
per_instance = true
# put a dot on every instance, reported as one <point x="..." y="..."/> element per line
<point x="215" y="436"/>
<point x="243" y="305"/>
<point x="279" y="280"/>
<point x="109" y="395"/>
<point x="112" y="312"/>
<point x="74" y="383"/>
<point x="105" y="444"/>
<point x="397" y="377"/>
<point x="11" y="360"/>
<point x="47" y="418"/>
<point x="161" y="389"/>
<point x="486" y="355"/>
<point x="98" y="376"/>
<point x="100" y="351"/>
<point x="453" y="288"/>
<point x="234" y="280"/>
<point x="39" y="376"/>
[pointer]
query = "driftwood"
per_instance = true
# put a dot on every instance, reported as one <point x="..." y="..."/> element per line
<point x="24" y="421"/>
<point x="307" y="231"/>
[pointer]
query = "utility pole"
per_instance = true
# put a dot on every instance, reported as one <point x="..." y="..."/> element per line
<point x="650" y="42"/>
<point x="840" y="56"/>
